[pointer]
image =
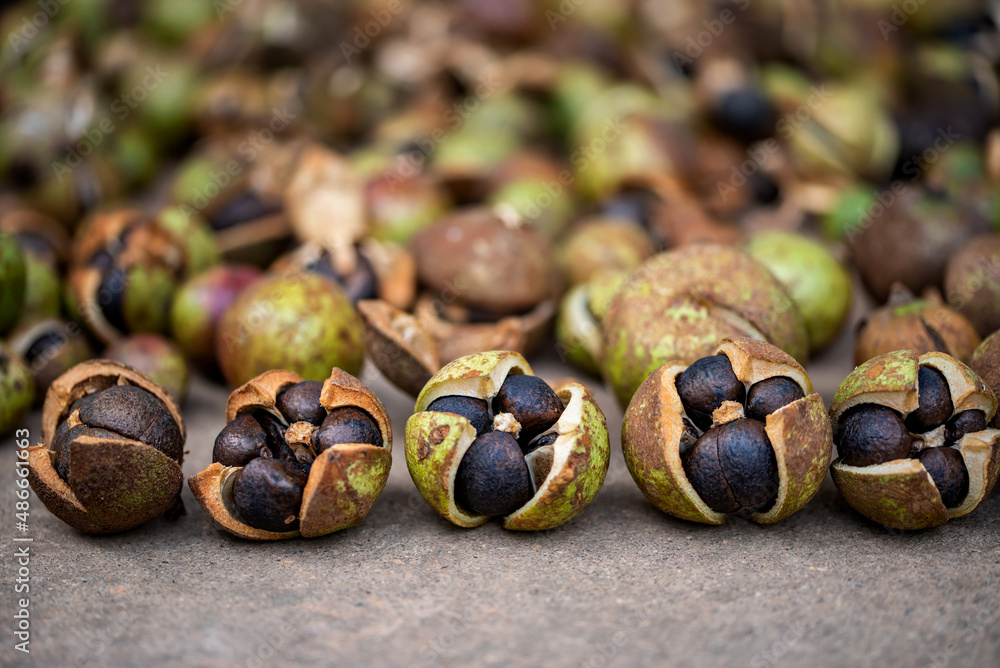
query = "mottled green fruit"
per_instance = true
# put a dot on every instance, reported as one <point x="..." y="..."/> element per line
<point x="302" y="323"/>
<point x="155" y="356"/>
<point x="819" y="285"/>
<point x="12" y="282"/>
<point x="17" y="390"/>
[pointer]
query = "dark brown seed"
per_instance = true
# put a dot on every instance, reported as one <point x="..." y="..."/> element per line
<point x="240" y="441"/>
<point x="769" y="395"/>
<point x="935" y="405"/>
<point x="493" y="478"/>
<point x="733" y="468"/>
<point x="267" y="494"/>
<point x="704" y="385"/>
<point x="966" y="422"/>
<point x="134" y="413"/>
<point x="948" y="471"/>
<point x="872" y="434"/>
<point x="347" y="424"/>
<point x="532" y="403"/>
<point x="476" y="411"/>
<point x="272" y="427"/>
<point x="300" y="403"/>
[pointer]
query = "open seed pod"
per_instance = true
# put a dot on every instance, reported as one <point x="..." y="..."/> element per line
<point x="679" y="305"/>
<point x="737" y="432"/>
<point x="126" y="266"/>
<point x="296" y="458"/>
<point x="489" y="439"/>
<point x="410" y="348"/>
<point x="912" y="436"/>
<point x="113" y="445"/>
<point x="382" y="270"/>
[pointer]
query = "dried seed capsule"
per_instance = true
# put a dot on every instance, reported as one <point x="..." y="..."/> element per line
<point x="872" y="434"/>
<point x="733" y="468"/>
<point x="347" y="425"/>
<point x="268" y="494"/>
<point x="362" y="283"/>
<point x="476" y="411"/>
<point x="493" y="478"/>
<point x="704" y="385"/>
<point x="935" y="402"/>
<point x="134" y="413"/>
<point x="949" y="474"/>
<point x="769" y="395"/>
<point x="239" y="442"/>
<point x="966" y="422"/>
<point x="532" y="403"/>
<point x="300" y="403"/>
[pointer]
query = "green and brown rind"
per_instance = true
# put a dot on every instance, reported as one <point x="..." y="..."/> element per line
<point x="800" y="435"/>
<point x="581" y="455"/>
<point x="679" y="305"/>
<point x="114" y="484"/>
<point x="900" y="493"/>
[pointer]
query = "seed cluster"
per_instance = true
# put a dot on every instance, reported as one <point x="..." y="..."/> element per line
<point x="493" y="477"/>
<point x="872" y="434"/>
<point x="726" y="454"/>
<point x="276" y="452"/>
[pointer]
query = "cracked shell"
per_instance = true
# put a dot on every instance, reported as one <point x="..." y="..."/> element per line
<point x="679" y="305"/>
<point x="344" y="481"/>
<point x="901" y="493"/>
<point x="920" y="325"/>
<point x="800" y="436"/>
<point x="566" y="474"/>
<point x="113" y="484"/>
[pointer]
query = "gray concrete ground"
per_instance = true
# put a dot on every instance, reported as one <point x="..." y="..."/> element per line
<point x="621" y="585"/>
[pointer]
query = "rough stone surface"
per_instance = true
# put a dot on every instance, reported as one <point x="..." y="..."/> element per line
<point x="622" y="584"/>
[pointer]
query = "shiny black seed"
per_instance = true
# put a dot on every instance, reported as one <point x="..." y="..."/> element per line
<point x="347" y="424"/>
<point x="872" y="434"/>
<point x="239" y="442"/>
<point x="732" y="467"/>
<point x="935" y="405"/>
<point x="947" y="469"/>
<point x="272" y="427"/>
<point x="703" y="387"/>
<point x="769" y="395"/>
<point x="745" y="114"/>
<point x="267" y="494"/>
<point x="493" y="478"/>
<point x="966" y="422"/>
<point x="476" y="411"/>
<point x="532" y="403"/>
<point x="300" y="403"/>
